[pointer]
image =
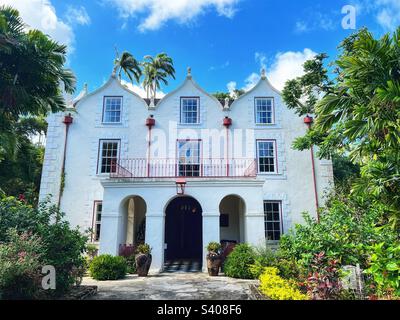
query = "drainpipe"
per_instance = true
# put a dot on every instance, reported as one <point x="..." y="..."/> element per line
<point x="150" y="122"/>
<point x="308" y="121"/>
<point x="67" y="121"/>
<point x="227" y="124"/>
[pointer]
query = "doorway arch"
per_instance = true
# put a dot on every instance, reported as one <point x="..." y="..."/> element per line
<point x="232" y="209"/>
<point x="183" y="229"/>
<point x="134" y="220"/>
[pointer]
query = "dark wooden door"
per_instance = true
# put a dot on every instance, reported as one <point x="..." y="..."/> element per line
<point x="183" y="229"/>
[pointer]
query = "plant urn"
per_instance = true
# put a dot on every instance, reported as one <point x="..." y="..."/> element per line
<point x="227" y="122"/>
<point x="143" y="262"/>
<point x="213" y="264"/>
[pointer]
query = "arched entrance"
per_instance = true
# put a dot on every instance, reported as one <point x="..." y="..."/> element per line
<point x="184" y="232"/>
<point x="134" y="221"/>
<point x="232" y="209"/>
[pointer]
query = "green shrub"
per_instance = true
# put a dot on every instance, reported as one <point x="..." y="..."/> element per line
<point x="63" y="245"/>
<point x="130" y="264"/>
<point x="20" y="262"/>
<point x="347" y="228"/>
<point x="385" y="268"/>
<point x="266" y="257"/>
<point x="237" y="264"/>
<point x="108" y="267"/>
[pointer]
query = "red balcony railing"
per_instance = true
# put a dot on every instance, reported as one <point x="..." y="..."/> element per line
<point x="172" y="168"/>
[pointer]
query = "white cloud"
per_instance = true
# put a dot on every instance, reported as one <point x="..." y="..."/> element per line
<point x="219" y="67"/>
<point x="386" y="12"/>
<point x="286" y="65"/>
<point x="159" y="12"/>
<point x="389" y="14"/>
<point x="77" y="15"/>
<point x="41" y="14"/>
<point x="140" y="90"/>
<point x="316" y="21"/>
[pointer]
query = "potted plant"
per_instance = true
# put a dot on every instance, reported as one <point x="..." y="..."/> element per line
<point x="143" y="260"/>
<point x="213" y="258"/>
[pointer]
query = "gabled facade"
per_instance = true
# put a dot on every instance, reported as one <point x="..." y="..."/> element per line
<point x="182" y="171"/>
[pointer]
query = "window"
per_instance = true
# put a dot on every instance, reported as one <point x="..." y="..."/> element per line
<point x="190" y="110"/>
<point x="264" y="110"/>
<point x="189" y="158"/>
<point x="98" y="208"/>
<point x="266" y="156"/>
<point x="272" y="220"/>
<point x="112" y="109"/>
<point x="108" y="155"/>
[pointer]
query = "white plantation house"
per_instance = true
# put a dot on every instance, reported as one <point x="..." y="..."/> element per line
<point x="181" y="171"/>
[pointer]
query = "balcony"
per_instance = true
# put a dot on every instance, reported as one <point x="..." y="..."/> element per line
<point x="172" y="168"/>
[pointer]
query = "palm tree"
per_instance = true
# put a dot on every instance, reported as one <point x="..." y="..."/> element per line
<point x="157" y="70"/>
<point x="128" y="65"/>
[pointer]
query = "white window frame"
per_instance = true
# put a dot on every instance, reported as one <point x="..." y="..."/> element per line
<point x="182" y="117"/>
<point x="273" y="221"/>
<point x="97" y="222"/>
<point x="257" y="111"/>
<point x="100" y="154"/>
<point x="107" y="98"/>
<point x="274" y="157"/>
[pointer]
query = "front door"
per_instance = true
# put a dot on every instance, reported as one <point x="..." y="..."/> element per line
<point x="183" y="229"/>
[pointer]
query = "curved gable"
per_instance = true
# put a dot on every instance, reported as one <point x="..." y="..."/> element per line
<point x="188" y="81"/>
<point x="110" y="81"/>
<point x="263" y="81"/>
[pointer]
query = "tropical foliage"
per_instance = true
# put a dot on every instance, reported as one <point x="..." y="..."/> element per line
<point x="156" y="71"/>
<point x="127" y="65"/>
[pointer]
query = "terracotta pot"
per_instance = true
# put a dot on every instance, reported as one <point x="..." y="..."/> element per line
<point x="143" y="262"/>
<point x="213" y="264"/>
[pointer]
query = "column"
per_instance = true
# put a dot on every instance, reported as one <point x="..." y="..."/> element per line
<point x="210" y="232"/>
<point x="155" y="238"/>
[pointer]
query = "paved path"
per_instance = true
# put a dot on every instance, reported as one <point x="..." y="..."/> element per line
<point x="173" y="286"/>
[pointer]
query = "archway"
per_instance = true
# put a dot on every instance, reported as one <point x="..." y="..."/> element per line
<point x="232" y="219"/>
<point x="184" y="230"/>
<point x="134" y="221"/>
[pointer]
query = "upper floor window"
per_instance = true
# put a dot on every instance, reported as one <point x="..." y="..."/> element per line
<point x="190" y="111"/>
<point x="112" y="109"/>
<point x="189" y="158"/>
<point x="98" y="208"/>
<point x="264" y="110"/>
<point x="108" y="156"/>
<point x="266" y="155"/>
<point x="272" y="220"/>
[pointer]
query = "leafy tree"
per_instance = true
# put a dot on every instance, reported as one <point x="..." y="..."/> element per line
<point x="358" y="112"/>
<point x="234" y="95"/>
<point x="157" y="70"/>
<point x="32" y="77"/>
<point x="128" y="65"/>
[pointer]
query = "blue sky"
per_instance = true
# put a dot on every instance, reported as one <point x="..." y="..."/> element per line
<point x="223" y="41"/>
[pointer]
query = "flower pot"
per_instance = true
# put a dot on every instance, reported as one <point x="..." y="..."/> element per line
<point x="213" y="264"/>
<point x="143" y="262"/>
